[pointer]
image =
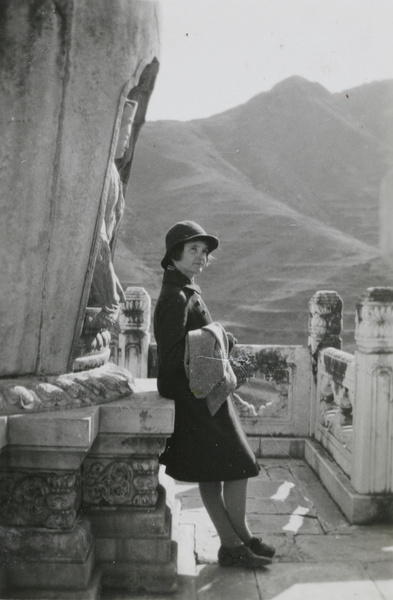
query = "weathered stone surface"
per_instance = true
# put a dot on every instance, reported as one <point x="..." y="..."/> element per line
<point x="3" y="431"/>
<point x="374" y="321"/>
<point x="324" y="323"/>
<point x="269" y="489"/>
<point x="133" y="340"/>
<point x="127" y="522"/>
<point x="144" y="413"/>
<point x="120" y="481"/>
<point x="373" y="415"/>
<point x="133" y="550"/>
<point x="216" y="583"/>
<point x="117" y="444"/>
<point x="137" y="577"/>
<point x="338" y="580"/>
<point x="48" y="559"/>
<point x="366" y="544"/>
<point x="289" y="524"/>
<point x="39" y="499"/>
<point x="382" y="575"/>
<point x="31" y="545"/>
<point x="91" y="592"/>
<point x="281" y="447"/>
<point x="329" y="514"/>
<point x="28" y="575"/>
<point x="65" y="67"/>
<point x="261" y="505"/>
<point x="277" y="385"/>
<point x="44" y="459"/>
<point x="72" y="429"/>
<point x="70" y="390"/>
<point x="358" y="508"/>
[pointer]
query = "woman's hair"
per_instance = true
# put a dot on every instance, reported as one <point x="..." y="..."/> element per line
<point x="176" y="253"/>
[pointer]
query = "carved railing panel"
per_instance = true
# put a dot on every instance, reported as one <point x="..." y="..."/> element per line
<point x="335" y="399"/>
<point x="273" y="388"/>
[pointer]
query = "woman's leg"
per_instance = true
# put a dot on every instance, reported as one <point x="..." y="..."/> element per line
<point x="235" y="499"/>
<point x="211" y="494"/>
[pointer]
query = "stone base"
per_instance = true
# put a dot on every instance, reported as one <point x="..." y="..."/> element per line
<point x="134" y="546"/>
<point x="134" y="550"/>
<point x="131" y="522"/>
<point x="141" y="577"/>
<point x="276" y="446"/>
<point x="91" y="592"/>
<point x="40" y="559"/>
<point x="359" y="509"/>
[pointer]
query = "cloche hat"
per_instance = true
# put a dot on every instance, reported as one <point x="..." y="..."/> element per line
<point x="186" y="231"/>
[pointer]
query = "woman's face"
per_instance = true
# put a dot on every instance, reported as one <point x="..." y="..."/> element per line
<point x="194" y="258"/>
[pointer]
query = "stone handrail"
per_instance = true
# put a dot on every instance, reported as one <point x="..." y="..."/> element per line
<point x="273" y="389"/>
<point x="352" y="396"/>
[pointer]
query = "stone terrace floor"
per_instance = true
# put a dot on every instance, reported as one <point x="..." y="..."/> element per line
<point x="319" y="556"/>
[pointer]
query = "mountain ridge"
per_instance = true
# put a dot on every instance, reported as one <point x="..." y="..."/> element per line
<point x="281" y="208"/>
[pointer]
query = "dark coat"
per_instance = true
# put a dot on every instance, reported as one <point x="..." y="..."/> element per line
<point x="203" y="447"/>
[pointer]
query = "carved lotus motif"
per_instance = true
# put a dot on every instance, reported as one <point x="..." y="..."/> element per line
<point x="374" y="326"/>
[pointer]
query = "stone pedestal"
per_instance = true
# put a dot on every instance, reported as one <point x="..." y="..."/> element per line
<point x="67" y="70"/>
<point x="81" y="504"/>
<point x="47" y="545"/>
<point x="121" y="494"/>
<point x="372" y="468"/>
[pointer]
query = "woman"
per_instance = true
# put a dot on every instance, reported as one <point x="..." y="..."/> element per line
<point x="210" y="450"/>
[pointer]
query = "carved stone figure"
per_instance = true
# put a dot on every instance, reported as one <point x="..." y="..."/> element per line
<point x="106" y="291"/>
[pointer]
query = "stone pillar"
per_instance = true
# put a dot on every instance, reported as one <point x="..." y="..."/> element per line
<point x="46" y="543"/>
<point x="134" y="335"/>
<point x="372" y="468"/>
<point x="66" y="70"/>
<point x="324" y="323"/>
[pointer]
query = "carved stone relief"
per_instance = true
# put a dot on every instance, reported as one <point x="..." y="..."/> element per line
<point x="71" y="390"/>
<point x="49" y="500"/>
<point x="374" y="321"/>
<point x="335" y="410"/>
<point x="120" y="481"/>
<point x="324" y="323"/>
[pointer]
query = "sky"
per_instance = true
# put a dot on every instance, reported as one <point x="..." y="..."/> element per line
<point x="216" y="54"/>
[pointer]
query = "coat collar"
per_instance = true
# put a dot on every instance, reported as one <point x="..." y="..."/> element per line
<point x="176" y="277"/>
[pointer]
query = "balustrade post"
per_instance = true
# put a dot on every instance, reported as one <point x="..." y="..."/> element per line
<point x="372" y="468"/>
<point x="134" y="335"/>
<point x="324" y="325"/>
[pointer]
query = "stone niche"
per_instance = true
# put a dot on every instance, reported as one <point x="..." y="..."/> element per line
<point x="80" y="499"/>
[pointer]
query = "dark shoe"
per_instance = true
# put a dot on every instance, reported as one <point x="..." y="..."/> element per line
<point x="260" y="549"/>
<point x="241" y="556"/>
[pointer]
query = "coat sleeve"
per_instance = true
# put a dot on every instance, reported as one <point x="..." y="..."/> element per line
<point x="171" y="334"/>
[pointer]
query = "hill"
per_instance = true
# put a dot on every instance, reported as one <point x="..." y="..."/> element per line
<point x="289" y="181"/>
